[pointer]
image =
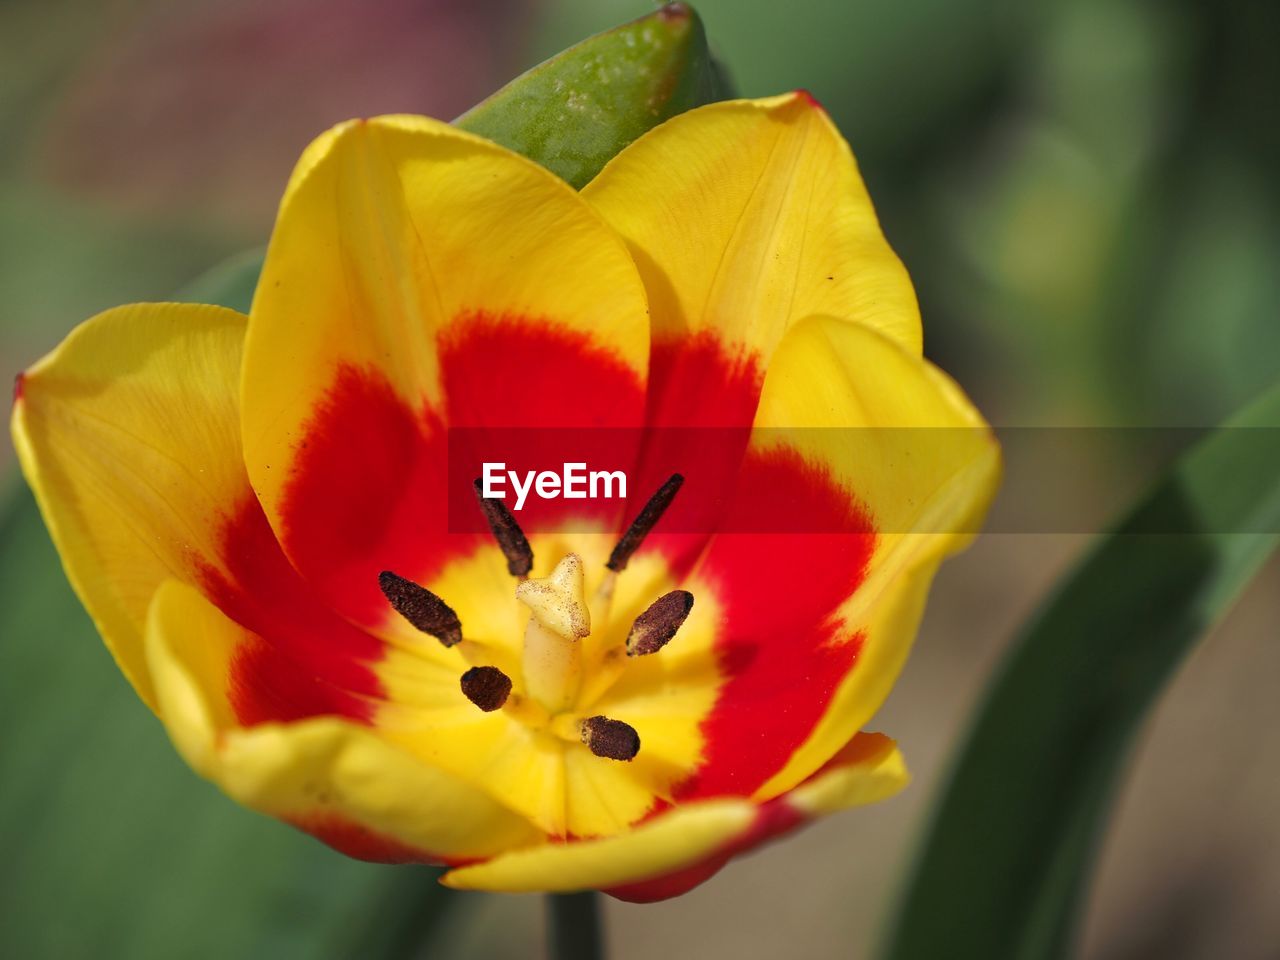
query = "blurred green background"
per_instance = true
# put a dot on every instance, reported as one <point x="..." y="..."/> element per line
<point x="1087" y="196"/>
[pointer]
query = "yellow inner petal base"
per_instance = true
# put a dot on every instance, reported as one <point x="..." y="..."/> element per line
<point x="561" y="637"/>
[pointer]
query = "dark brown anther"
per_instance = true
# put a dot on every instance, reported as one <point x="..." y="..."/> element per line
<point x="511" y="539"/>
<point x="645" y="521"/>
<point x="611" y="739"/>
<point x="421" y="607"/>
<point x="659" y="623"/>
<point x="486" y="687"/>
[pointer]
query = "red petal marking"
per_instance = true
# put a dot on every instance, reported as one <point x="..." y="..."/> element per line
<point x="696" y="382"/>
<point x="367" y="491"/>
<point x="509" y="372"/>
<point x="774" y="819"/>
<point x="702" y="401"/>
<point x="361" y="843"/>
<point x="308" y="661"/>
<point x="266" y="685"/>
<point x="810" y="99"/>
<point x="19" y="384"/>
<point x="782" y="655"/>
<point x="536" y="396"/>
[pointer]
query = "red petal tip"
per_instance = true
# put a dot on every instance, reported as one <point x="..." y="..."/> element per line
<point x="810" y="99"/>
<point x="19" y="384"/>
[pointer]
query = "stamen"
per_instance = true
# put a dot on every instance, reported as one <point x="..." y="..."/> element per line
<point x="486" y="687"/>
<point x="421" y="607"/>
<point x="611" y="739"/>
<point x="511" y="539"/>
<point x="644" y="522"/>
<point x="659" y="623"/>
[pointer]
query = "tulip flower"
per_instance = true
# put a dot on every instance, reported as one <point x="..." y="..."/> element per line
<point x="255" y="510"/>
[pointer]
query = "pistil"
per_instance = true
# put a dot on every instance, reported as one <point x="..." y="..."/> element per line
<point x="558" y="622"/>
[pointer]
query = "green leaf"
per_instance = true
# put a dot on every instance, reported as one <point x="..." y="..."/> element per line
<point x="1008" y="854"/>
<point x="229" y="284"/>
<point x="575" y="111"/>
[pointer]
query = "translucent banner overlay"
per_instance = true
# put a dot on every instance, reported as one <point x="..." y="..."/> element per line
<point x="1056" y="480"/>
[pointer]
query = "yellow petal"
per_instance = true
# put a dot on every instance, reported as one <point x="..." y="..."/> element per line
<point x="129" y="435"/>
<point x="674" y="841"/>
<point x="419" y="277"/>
<point x="901" y="440"/>
<point x="746" y="216"/>
<point x="867" y="770"/>
<point x="321" y="771"/>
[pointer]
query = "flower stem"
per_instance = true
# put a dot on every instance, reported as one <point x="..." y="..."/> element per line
<point x="574" y="929"/>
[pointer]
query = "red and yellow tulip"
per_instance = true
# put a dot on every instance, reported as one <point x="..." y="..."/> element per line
<point x="254" y="509"/>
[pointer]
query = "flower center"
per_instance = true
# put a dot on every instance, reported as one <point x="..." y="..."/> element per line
<point x="553" y="686"/>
